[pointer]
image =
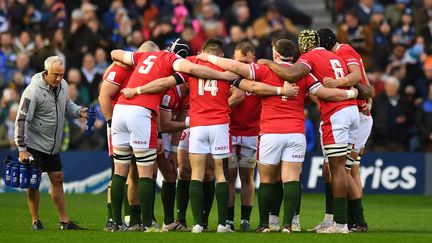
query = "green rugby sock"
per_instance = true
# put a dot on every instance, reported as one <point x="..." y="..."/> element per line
<point x="153" y="202"/>
<point x="126" y="208"/>
<point x="356" y="208"/>
<point x="135" y="214"/>
<point x="230" y="213"/>
<point x="117" y="192"/>
<point x="109" y="209"/>
<point x="265" y="199"/>
<point x="246" y="212"/>
<point x="146" y="196"/>
<point x="182" y="198"/>
<point x="291" y="194"/>
<point x="222" y="194"/>
<point x="329" y="198"/>
<point x="297" y="211"/>
<point x="196" y="199"/>
<point x="168" y="200"/>
<point x="208" y="197"/>
<point x="278" y="197"/>
<point x="340" y="205"/>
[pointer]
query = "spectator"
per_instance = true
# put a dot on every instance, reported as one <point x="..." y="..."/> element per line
<point x="74" y="78"/>
<point x="272" y="21"/>
<point x="145" y="13"/>
<point x="424" y="122"/>
<point x="89" y="11"/>
<point x="405" y="32"/>
<point x="22" y="66"/>
<point x="90" y="75"/>
<point x="7" y="129"/>
<point x="17" y="11"/>
<point x="237" y="35"/>
<point x="423" y="82"/>
<point x="101" y="61"/>
<point x="422" y="16"/>
<point x="394" y="12"/>
<point x="359" y="36"/>
<point x="42" y="51"/>
<point x="79" y="39"/>
<point x="382" y="38"/>
<point x="389" y="112"/>
<point x="136" y="39"/>
<point x="33" y="18"/>
<point x="109" y="16"/>
<point x="364" y="11"/>
<point x="24" y="42"/>
<point x="7" y="58"/>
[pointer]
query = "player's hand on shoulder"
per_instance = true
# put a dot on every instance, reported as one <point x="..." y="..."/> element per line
<point x="128" y="92"/>
<point x="263" y="61"/>
<point x="330" y="82"/>
<point x="291" y="90"/>
<point x="230" y="76"/>
<point x="202" y="56"/>
<point x="366" y="108"/>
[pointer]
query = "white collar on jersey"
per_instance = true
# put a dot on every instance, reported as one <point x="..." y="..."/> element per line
<point x="179" y="90"/>
<point x="318" y="48"/>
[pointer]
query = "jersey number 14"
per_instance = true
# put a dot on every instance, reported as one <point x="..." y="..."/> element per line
<point x="208" y="85"/>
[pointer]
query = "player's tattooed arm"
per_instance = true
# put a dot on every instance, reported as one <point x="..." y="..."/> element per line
<point x="201" y="71"/>
<point x="263" y="89"/>
<point x="234" y="66"/>
<point x="290" y="74"/>
<point x="236" y="96"/>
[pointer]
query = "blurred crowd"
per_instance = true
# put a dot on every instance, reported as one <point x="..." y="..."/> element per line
<point x="394" y="38"/>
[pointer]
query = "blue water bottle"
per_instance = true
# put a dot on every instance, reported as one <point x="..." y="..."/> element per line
<point x="91" y="117"/>
<point x="8" y="162"/>
<point x="15" y="173"/>
<point x="35" y="174"/>
<point x="24" y="175"/>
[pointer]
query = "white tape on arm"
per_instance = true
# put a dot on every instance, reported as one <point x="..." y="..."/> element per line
<point x="350" y="94"/>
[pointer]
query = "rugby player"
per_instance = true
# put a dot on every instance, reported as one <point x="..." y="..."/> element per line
<point x="338" y="119"/>
<point x="134" y="122"/>
<point x="356" y="221"/>
<point x="282" y="142"/>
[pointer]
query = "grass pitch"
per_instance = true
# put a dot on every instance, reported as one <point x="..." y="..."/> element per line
<point x="391" y="218"/>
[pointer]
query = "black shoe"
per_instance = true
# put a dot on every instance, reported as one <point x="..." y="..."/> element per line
<point x="244" y="226"/>
<point x="37" y="225"/>
<point x="206" y="228"/>
<point x="359" y="228"/>
<point x="262" y="229"/>
<point x="230" y="224"/>
<point x="109" y="225"/>
<point x="69" y="226"/>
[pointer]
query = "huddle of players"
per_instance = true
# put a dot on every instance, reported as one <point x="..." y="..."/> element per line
<point x="160" y="87"/>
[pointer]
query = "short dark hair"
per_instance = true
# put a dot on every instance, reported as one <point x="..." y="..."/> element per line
<point x="286" y="48"/>
<point x="352" y="13"/>
<point x="245" y="48"/>
<point x="213" y="46"/>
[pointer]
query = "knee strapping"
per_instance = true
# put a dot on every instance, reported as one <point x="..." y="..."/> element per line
<point x="335" y="150"/>
<point x="349" y="162"/>
<point x="122" y="157"/>
<point x="146" y="157"/>
<point x="357" y="161"/>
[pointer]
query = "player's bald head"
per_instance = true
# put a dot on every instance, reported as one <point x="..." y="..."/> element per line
<point x="148" y="46"/>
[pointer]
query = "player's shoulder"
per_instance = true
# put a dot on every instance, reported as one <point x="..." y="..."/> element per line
<point x="346" y="49"/>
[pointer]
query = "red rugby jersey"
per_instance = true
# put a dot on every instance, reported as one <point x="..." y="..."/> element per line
<point x="323" y="63"/>
<point x="245" y="117"/>
<point x="117" y="75"/>
<point x="208" y="99"/>
<point x="280" y="114"/>
<point x="149" y="66"/>
<point x="350" y="56"/>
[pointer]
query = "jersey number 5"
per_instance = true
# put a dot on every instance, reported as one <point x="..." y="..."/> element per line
<point x="337" y="68"/>
<point x="147" y="65"/>
<point x="207" y="85"/>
